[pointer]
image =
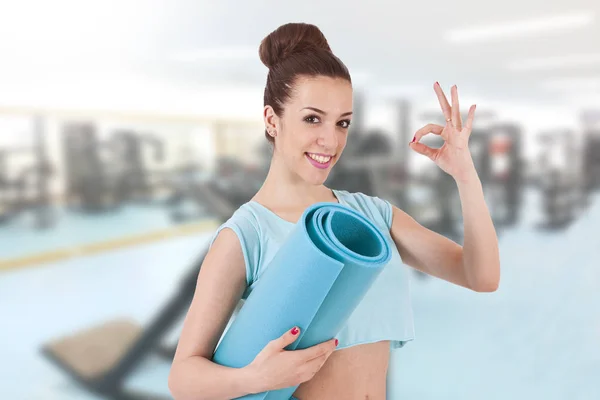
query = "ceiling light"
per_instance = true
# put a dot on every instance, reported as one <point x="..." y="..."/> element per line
<point x="573" y="60"/>
<point x="579" y="84"/>
<point x="520" y="28"/>
<point x="217" y="54"/>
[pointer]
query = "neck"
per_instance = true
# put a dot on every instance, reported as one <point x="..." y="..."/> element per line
<point x="283" y="186"/>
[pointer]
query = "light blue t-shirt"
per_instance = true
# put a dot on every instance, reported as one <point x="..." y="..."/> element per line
<point x="385" y="312"/>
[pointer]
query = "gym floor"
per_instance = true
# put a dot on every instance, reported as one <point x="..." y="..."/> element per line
<point x="536" y="337"/>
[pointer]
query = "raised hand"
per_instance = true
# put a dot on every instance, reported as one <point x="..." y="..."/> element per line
<point x="454" y="156"/>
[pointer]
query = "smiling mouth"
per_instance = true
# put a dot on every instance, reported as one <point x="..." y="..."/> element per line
<point x="318" y="158"/>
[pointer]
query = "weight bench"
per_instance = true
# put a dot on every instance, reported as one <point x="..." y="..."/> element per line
<point x="102" y="357"/>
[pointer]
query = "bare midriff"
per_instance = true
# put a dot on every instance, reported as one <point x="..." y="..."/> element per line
<point x="354" y="373"/>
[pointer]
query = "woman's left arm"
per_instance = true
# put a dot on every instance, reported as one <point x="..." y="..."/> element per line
<point x="476" y="265"/>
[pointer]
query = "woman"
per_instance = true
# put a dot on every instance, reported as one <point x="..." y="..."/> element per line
<point x="307" y="112"/>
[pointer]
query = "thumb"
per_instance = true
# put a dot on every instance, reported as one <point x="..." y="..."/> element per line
<point x="422" y="149"/>
<point x="288" y="338"/>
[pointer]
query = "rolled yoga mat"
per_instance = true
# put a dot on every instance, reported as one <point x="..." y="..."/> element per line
<point x="315" y="281"/>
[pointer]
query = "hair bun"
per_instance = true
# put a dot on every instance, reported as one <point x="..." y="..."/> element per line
<point x="289" y="39"/>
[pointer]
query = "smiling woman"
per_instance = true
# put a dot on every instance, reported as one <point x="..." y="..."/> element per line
<point x="307" y="113"/>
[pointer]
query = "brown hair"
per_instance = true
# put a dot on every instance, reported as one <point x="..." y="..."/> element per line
<point x="292" y="50"/>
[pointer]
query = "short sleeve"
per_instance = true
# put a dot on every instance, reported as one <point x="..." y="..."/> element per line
<point x="250" y="242"/>
<point x="385" y="209"/>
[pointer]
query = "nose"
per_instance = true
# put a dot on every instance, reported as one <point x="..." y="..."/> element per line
<point x="328" y="139"/>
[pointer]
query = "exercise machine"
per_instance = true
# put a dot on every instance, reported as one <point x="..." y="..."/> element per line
<point x="504" y="178"/>
<point x="29" y="190"/>
<point x="561" y="181"/>
<point x="233" y="180"/>
<point x="134" y="182"/>
<point x="591" y="159"/>
<point x="102" y="175"/>
<point x="101" y="358"/>
<point x="90" y="176"/>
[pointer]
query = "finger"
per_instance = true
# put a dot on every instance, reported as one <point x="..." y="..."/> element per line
<point x="424" y="150"/>
<point x="310" y="368"/>
<point x="456" y="120"/>
<point x="318" y="350"/>
<point x="429" y="128"/>
<point x="446" y="109"/>
<point x="317" y="363"/>
<point x="287" y="338"/>
<point x="470" y="117"/>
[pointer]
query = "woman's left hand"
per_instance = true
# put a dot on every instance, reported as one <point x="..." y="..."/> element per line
<point x="454" y="156"/>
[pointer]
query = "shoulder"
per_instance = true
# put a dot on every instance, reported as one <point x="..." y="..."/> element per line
<point x="372" y="206"/>
<point x="244" y="223"/>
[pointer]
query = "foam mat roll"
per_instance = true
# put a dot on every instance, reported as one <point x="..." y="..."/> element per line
<point x="315" y="281"/>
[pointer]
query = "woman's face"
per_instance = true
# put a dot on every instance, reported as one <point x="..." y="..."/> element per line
<point x="311" y="134"/>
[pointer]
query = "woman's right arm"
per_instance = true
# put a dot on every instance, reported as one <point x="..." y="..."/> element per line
<point x="221" y="283"/>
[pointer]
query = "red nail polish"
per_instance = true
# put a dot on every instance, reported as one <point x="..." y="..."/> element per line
<point x="336" y="342"/>
<point x="414" y="138"/>
<point x="437" y="83"/>
<point x="294" y="331"/>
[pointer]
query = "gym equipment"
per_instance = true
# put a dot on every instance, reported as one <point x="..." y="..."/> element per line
<point x="184" y="183"/>
<point x="103" y="175"/>
<point x="232" y="180"/>
<point x="90" y="182"/>
<point x="590" y="122"/>
<point x="496" y="151"/>
<point x="101" y="358"/>
<point x="235" y="180"/>
<point x="591" y="156"/>
<point x="9" y="191"/>
<point x="134" y="182"/>
<point x="315" y="281"/>
<point x="506" y="173"/>
<point x="561" y="181"/>
<point x="29" y="191"/>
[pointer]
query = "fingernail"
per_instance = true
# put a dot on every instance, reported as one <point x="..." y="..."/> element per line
<point x="437" y="83"/>
<point x="336" y="342"/>
<point x="294" y="331"/>
<point x="414" y="138"/>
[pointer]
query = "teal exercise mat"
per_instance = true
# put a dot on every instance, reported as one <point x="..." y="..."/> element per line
<point x="315" y="281"/>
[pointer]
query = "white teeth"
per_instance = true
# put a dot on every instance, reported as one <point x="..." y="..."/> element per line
<point x="320" y="159"/>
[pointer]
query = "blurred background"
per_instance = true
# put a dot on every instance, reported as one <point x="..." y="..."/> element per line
<point x="129" y="130"/>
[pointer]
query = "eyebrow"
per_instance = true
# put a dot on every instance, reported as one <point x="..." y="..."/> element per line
<point x="323" y="112"/>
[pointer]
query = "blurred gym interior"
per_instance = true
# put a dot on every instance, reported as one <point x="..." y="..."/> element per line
<point x="129" y="131"/>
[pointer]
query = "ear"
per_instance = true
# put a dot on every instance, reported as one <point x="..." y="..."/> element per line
<point x="270" y="118"/>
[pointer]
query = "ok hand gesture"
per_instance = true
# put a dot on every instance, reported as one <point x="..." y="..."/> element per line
<point x="454" y="156"/>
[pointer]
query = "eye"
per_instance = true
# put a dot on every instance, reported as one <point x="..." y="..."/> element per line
<point x="345" y="123"/>
<point x="310" y="119"/>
